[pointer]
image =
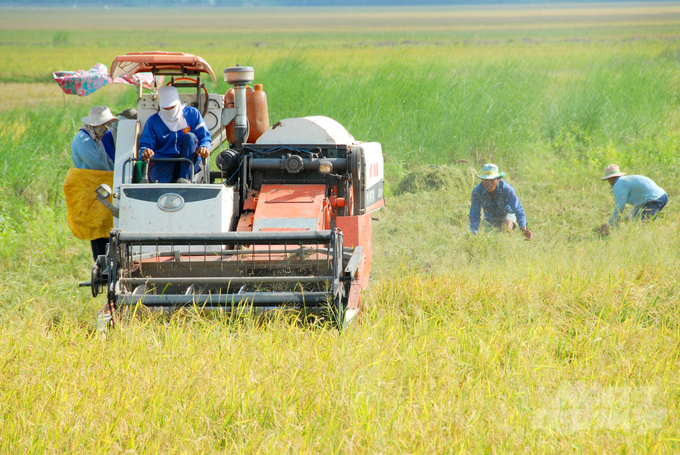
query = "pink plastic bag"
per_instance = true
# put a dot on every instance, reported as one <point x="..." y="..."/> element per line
<point x="83" y="83"/>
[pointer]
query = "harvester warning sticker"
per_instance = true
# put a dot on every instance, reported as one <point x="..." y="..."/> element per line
<point x="373" y="170"/>
<point x="375" y="197"/>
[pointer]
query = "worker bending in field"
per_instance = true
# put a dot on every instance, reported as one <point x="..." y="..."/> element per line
<point x="641" y="192"/>
<point x="502" y="208"/>
<point x="176" y="131"/>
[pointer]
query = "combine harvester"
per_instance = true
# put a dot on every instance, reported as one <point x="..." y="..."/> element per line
<point x="282" y="223"/>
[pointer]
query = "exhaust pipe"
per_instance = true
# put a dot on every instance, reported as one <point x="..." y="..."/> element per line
<point x="240" y="76"/>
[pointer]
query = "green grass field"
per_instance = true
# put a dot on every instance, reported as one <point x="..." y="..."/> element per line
<point x="569" y="343"/>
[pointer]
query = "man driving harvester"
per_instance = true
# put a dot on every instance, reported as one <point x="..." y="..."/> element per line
<point x="175" y="131"/>
<point x="502" y="208"/>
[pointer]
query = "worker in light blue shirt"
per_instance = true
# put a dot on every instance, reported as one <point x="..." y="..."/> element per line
<point x="502" y="208"/>
<point x="93" y="145"/>
<point x="641" y="192"/>
<point x="93" y="148"/>
<point x="175" y="131"/>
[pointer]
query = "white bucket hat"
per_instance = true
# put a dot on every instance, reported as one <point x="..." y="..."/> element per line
<point x="99" y="115"/>
<point x="168" y="96"/>
<point x="612" y="171"/>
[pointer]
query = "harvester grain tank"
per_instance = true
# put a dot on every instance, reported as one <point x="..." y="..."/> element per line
<point x="280" y="220"/>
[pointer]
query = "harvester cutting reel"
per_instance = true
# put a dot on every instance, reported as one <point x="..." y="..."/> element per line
<point x="231" y="272"/>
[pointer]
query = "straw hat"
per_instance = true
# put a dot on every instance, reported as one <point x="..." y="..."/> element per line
<point x="490" y="172"/>
<point x="612" y="171"/>
<point x="99" y="115"/>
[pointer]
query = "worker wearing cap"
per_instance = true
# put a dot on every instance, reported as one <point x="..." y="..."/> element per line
<point x="639" y="191"/>
<point x="502" y="208"/>
<point x="93" y="145"/>
<point x="176" y="131"/>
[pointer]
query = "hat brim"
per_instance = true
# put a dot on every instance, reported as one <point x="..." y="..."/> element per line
<point x="98" y="120"/>
<point x="500" y="175"/>
<point x="611" y="176"/>
<point x="172" y="104"/>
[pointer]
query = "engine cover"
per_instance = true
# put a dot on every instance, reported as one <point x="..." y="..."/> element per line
<point x="170" y="207"/>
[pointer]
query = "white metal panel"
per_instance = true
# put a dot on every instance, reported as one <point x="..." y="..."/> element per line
<point x="205" y="208"/>
<point x="147" y="106"/>
<point x="126" y="147"/>
<point x="374" y="167"/>
<point x="306" y="131"/>
<point x="372" y="171"/>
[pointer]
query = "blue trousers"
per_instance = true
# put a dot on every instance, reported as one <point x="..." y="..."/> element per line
<point x="166" y="172"/>
<point x="651" y="208"/>
<point x="497" y="222"/>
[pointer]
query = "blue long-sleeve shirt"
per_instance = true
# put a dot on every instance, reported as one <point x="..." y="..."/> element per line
<point x="635" y="190"/>
<point x="87" y="154"/>
<point x="168" y="144"/>
<point x="504" y="200"/>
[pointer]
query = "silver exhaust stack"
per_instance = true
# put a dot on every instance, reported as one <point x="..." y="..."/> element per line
<point x="239" y="76"/>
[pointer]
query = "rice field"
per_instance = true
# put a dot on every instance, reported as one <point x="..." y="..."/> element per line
<point x="569" y="343"/>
